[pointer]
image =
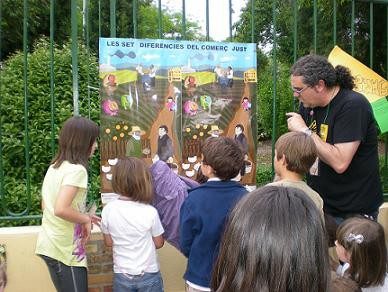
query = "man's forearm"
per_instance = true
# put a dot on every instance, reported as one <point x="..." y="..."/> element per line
<point x="337" y="156"/>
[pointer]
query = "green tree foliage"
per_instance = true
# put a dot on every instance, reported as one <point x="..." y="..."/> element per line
<point x="39" y="22"/>
<point x="39" y="107"/>
<point x="124" y="19"/>
<point x="147" y="22"/>
<point x="38" y="18"/>
<point x="263" y="11"/>
<point x="263" y="20"/>
<point x="173" y="27"/>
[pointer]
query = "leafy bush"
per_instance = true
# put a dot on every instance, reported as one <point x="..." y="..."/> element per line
<point x="39" y="141"/>
<point x="263" y="174"/>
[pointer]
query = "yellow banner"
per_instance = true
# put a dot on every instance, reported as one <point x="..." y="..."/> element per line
<point x="368" y="82"/>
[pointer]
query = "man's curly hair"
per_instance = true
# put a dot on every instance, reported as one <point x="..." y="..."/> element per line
<point x="314" y="68"/>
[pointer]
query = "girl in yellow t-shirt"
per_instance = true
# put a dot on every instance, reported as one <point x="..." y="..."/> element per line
<point x="65" y="224"/>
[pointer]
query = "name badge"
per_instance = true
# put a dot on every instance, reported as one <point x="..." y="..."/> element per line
<point x="323" y="132"/>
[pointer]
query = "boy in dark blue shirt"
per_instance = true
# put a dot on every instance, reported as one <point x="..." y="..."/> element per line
<point x="204" y="212"/>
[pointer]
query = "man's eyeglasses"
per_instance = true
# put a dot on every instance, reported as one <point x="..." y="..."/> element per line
<point x="299" y="90"/>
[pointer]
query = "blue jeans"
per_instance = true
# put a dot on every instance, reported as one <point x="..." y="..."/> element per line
<point x="147" y="282"/>
<point x="67" y="278"/>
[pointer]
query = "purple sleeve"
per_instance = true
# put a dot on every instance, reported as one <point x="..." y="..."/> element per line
<point x="170" y="190"/>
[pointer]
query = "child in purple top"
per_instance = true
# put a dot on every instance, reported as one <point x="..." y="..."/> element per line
<point x="170" y="190"/>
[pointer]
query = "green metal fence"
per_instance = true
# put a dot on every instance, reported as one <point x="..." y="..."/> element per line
<point x="83" y="30"/>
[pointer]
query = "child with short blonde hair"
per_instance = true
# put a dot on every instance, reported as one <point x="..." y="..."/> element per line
<point x="361" y="246"/>
<point x="132" y="226"/>
<point x="295" y="153"/>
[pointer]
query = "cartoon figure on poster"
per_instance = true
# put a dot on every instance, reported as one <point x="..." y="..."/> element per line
<point x="206" y="103"/>
<point x="152" y="74"/>
<point x="110" y="84"/>
<point x="134" y="145"/>
<point x="241" y="139"/>
<point x="190" y="107"/>
<point x="171" y="104"/>
<point x="165" y="150"/>
<point x="127" y="100"/>
<point x="229" y="76"/>
<point x="246" y="105"/>
<point x="110" y="107"/>
<point x="224" y="77"/>
<point x="190" y="85"/>
<point x="147" y="77"/>
<point x="219" y="73"/>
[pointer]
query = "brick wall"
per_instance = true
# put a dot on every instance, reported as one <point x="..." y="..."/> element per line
<point x="100" y="265"/>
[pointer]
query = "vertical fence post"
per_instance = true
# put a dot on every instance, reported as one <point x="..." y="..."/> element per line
<point x="86" y="34"/>
<point x="385" y="174"/>
<point x="274" y="81"/>
<point x="134" y="17"/>
<point x="2" y="195"/>
<point x="184" y="19"/>
<point x="26" y="96"/>
<point x="334" y="22"/>
<point x="207" y="20"/>
<point x="371" y="29"/>
<point x="315" y="25"/>
<point x="352" y="25"/>
<point x="84" y="7"/>
<point x="52" y="97"/>
<point x="252" y="21"/>
<point x="74" y="55"/>
<point x="230" y="20"/>
<point x="112" y="16"/>
<point x="160" y="18"/>
<point x="99" y="18"/>
<point x="295" y="32"/>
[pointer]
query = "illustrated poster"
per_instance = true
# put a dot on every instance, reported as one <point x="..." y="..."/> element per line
<point x="160" y="100"/>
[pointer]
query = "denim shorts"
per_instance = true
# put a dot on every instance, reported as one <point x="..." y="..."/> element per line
<point x="145" y="282"/>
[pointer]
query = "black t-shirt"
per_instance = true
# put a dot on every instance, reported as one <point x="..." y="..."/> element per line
<point x="348" y="117"/>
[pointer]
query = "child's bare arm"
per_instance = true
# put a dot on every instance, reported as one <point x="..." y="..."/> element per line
<point x="158" y="241"/>
<point x="64" y="209"/>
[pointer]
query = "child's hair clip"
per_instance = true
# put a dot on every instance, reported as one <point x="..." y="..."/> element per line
<point x="370" y="217"/>
<point x="358" y="238"/>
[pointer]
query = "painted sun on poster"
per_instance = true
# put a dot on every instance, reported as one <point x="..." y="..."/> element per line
<point x="160" y="100"/>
